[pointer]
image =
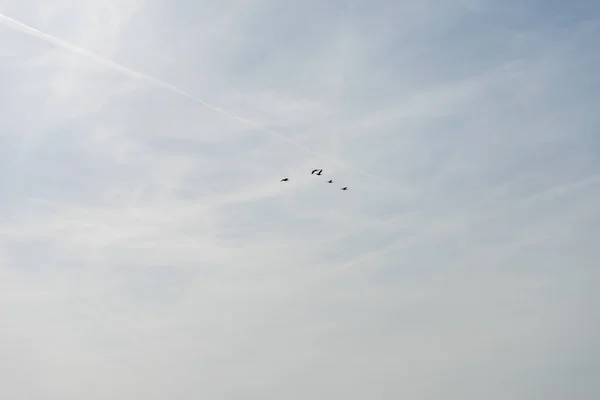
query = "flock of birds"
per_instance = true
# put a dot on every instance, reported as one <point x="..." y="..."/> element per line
<point x="317" y="172"/>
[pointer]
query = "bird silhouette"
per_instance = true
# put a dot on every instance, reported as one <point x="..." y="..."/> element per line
<point x="318" y="171"/>
<point x="330" y="181"/>
<point x="284" y="180"/>
<point x="344" y="188"/>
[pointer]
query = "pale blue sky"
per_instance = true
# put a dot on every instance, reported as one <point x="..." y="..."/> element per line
<point x="148" y="249"/>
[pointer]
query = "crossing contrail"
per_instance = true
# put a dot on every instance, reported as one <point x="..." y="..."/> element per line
<point x="20" y="26"/>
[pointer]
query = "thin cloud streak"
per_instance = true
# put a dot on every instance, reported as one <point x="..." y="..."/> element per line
<point x="14" y="24"/>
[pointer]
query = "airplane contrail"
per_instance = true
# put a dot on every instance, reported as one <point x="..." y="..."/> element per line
<point x="20" y="26"/>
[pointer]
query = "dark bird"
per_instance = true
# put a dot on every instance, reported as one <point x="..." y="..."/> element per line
<point x="330" y="181"/>
<point x="284" y="180"/>
<point x="344" y="188"/>
<point x="318" y="171"/>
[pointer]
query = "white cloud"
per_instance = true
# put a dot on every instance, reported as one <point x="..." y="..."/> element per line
<point x="148" y="248"/>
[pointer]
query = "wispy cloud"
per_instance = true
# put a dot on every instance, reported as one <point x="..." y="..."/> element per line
<point x="149" y="249"/>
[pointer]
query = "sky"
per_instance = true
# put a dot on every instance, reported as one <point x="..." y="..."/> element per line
<point x="149" y="250"/>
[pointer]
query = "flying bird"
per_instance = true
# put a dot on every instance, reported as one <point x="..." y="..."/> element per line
<point x="330" y="181"/>
<point x="318" y="171"/>
<point x="284" y="180"/>
<point x="344" y="188"/>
